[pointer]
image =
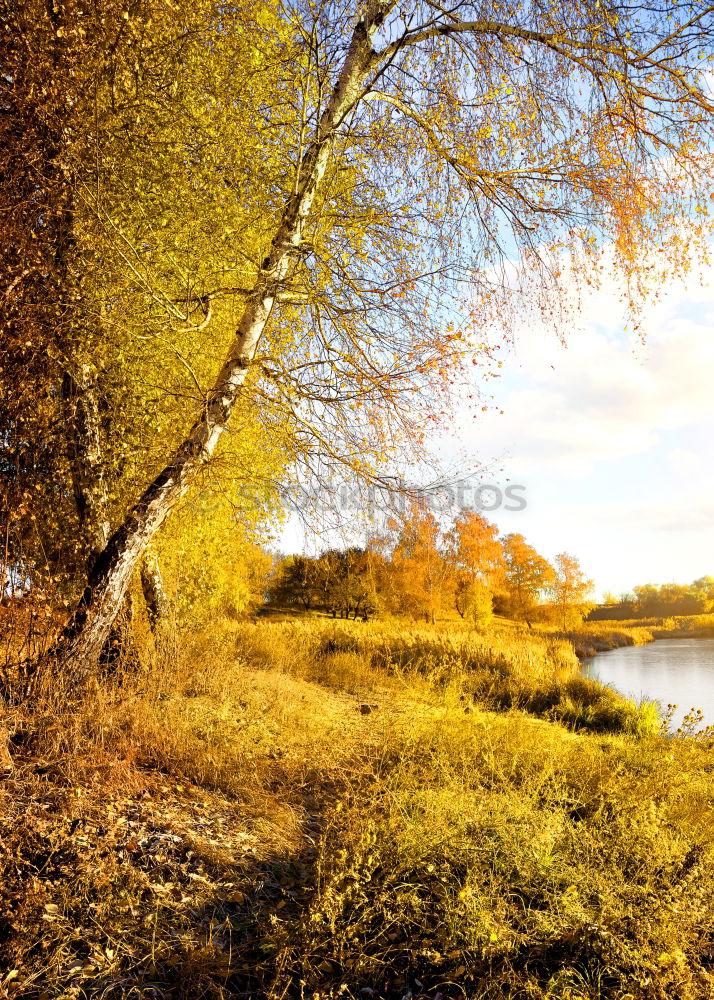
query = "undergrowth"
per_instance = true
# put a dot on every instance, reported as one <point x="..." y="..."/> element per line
<point x="323" y="810"/>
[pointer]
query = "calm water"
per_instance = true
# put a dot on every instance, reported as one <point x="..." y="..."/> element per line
<point x="678" y="671"/>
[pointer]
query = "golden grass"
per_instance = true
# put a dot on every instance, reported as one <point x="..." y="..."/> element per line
<point x="322" y="810"/>
<point x="502" y="669"/>
<point x="598" y="637"/>
<point x="701" y="624"/>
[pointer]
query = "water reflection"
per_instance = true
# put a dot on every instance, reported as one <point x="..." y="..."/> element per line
<point x="679" y="671"/>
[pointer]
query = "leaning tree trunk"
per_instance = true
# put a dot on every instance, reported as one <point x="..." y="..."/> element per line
<point x="83" y="638"/>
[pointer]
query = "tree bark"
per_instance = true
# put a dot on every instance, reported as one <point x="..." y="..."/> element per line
<point x="84" y="454"/>
<point x="82" y="639"/>
<point x="152" y="586"/>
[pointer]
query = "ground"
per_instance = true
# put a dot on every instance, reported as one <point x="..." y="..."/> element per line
<point x="321" y="810"/>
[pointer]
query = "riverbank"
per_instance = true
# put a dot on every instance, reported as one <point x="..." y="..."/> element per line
<point x="677" y="673"/>
<point x="599" y="637"/>
<point x="703" y="632"/>
<point x="321" y="811"/>
<point x="592" y="639"/>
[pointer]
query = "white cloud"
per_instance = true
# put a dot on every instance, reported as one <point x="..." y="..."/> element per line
<point x="603" y="396"/>
<point x="614" y="437"/>
<point x="686" y="462"/>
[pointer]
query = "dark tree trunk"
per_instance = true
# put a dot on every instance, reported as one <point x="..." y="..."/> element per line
<point x="152" y="586"/>
<point x="83" y="421"/>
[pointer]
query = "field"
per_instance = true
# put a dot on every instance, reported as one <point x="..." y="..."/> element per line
<point x="322" y="810"/>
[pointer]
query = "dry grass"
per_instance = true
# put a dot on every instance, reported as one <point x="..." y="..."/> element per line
<point x="318" y="810"/>
<point x="700" y="625"/>
<point x="598" y="637"/>
<point x="602" y="636"/>
<point x="532" y="671"/>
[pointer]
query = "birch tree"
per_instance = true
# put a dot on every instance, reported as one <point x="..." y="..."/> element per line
<point x="528" y="577"/>
<point x="420" y="576"/>
<point x="428" y="148"/>
<point x="476" y="557"/>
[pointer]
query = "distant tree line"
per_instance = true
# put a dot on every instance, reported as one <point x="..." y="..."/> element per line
<point x="420" y="570"/>
<point x="659" y="601"/>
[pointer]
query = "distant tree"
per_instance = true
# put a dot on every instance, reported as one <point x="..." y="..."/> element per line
<point x="527" y="578"/>
<point x="613" y="608"/>
<point x="571" y="589"/>
<point x="476" y="559"/>
<point x="347" y="583"/>
<point x="665" y="600"/>
<point x="705" y="587"/>
<point x="297" y="583"/>
<point x="474" y="602"/>
<point x="646" y="600"/>
<point x="328" y="571"/>
<point x="365" y="575"/>
<point x="653" y="601"/>
<point x="420" y="576"/>
<point x="627" y="604"/>
<point x="677" y="599"/>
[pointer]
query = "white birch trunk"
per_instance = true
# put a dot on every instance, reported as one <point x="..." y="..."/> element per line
<point x="84" y="636"/>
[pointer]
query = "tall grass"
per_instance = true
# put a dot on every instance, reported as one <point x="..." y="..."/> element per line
<point x="322" y="810"/>
<point x="528" y="671"/>
<point x="701" y="624"/>
<point x="497" y="859"/>
<point x="599" y="637"/>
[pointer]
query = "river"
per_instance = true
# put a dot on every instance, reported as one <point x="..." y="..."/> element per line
<point x="676" y="671"/>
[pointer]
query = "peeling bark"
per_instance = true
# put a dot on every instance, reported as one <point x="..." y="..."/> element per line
<point x="119" y="649"/>
<point x="83" y="431"/>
